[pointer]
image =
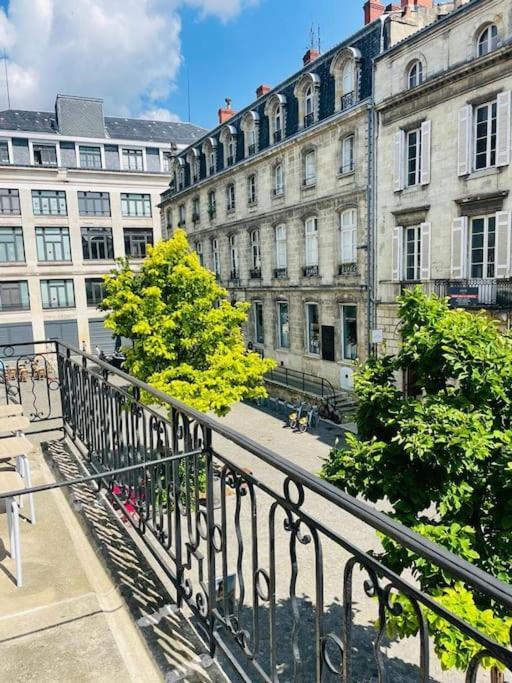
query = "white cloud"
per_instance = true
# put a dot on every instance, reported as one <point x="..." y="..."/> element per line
<point x="126" y="51"/>
<point x="159" y="114"/>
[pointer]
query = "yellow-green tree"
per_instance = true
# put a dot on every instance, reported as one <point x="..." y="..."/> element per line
<point x="187" y="336"/>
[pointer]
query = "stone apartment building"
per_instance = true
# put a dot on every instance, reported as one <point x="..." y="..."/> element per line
<point x="277" y="201"/>
<point x="77" y="189"/>
<point x="443" y="99"/>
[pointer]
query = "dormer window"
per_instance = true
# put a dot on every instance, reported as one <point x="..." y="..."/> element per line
<point x="345" y="70"/>
<point x="250" y="126"/>
<point x="195" y="167"/>
<point x="487" y="40"/>
<point x="228" y="139"/>
<point x="179" y="173"/>
<point x="210" y="154"/>
<point x="275" y="111"/>
<point x="306" y="92"/>
<point x="415" y="74"/>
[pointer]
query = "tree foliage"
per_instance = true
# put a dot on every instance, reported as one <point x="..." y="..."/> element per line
<point x="187" y="336"/>
<point x="441" y="457"/>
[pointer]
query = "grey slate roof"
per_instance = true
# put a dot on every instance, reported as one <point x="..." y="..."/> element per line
<point x="119" y="128"/>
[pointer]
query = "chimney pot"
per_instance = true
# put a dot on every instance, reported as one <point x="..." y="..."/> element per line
<point x="262" y="90"/>
<point x="225" y="113"/>
<point x="310" y="56"/>
<point x="373" y="9"/>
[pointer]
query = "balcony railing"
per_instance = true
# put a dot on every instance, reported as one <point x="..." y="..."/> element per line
<point x="212" y="212"/>
<point x="230" y="161"/>
<point x="251" y="150"/>
<point x="281" y="273"/>
<point x="258" y="548"/>
<point x="310" y="271"/>
<point x="347" y="100"/>
<point x="196" y="217"/>
<point x="471" y="293"/>
<point x="182" y="223"/>
<point x="347" y="269"/>
<point x="309" y="120"/>
<point x="255" y="274"/>
<point x="234" y="275"/>
<point x="278" y="136"/>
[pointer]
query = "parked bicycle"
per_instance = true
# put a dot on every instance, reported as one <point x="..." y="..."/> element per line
<point x="295" y="416"/>
<point x="309" y="418"/>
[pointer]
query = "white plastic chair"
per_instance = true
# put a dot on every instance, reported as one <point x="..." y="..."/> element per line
<point x="12" y="481"/>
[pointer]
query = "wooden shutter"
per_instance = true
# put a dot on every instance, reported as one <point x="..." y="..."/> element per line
<point x="399" y="153"/>
<point x="464" y="140"/>
<point x="426" y="136"/>
<point x="425" y="251"/>
<point x="396" y="275"/>
<point x="459" y="246"/>
<point x="503" y="130"/>
<point x="502" y="249"/>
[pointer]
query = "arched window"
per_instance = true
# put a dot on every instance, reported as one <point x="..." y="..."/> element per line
<point x="415" y="74"/>
<point x="311" y="246"/>
<point x="309" y="107"/>
<point x="344" y="69"/>
<point x="487" y="40"/>
<point x="347" y="80"/>
<point x="228" y="138"/>
<point x="250" y="126"/>
<point x="278" y="122"/>
<point x="210" y="154"/>
<point x="275" y="111"/>
<point x="278" y="189"/>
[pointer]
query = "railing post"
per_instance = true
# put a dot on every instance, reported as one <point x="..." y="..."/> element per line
<point x="210" y="494"/>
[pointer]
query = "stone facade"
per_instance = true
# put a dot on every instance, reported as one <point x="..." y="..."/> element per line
<point x="300" y="158"/>
<point x="443" y="168"/>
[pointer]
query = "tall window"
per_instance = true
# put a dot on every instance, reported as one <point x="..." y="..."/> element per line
<point x="415" y="74"/>
<point x="485" y="135"/>
<point x="14" y="296"/>
<point x="181" y="177"/>
<point x="283" y="325"/>
<point x="10" y="202"/>
<point x="4" y="153"/>
<point x="278" y="123"/>
<point x="347" y="85"/>
<point x="349" y="332"/>
<point x="53" y="244"/>
<point x="310" y="168"/>
<point x="347" y="154"/>
<point x="348" y="231"/>
<point x="251" y="189"/>
<point x="278" y="180"/>
<point x="134" y="205"/>
<point x="482" y="247"/>
<point x="252" y="146"/>
<point x="312" y="329"/>
<point x="166" y="162"/>
<point x="259" y="332"/>
<point x="90" y="157"/>
<point x="233" y="256"/>
<point x="181" y="215"/>
<point x="487" y="40"/>
<point x="215" y="256"/>
<point x="412" y="253"/>
<point x="255" y="253"/>
<point x="230" y="197"/>
<point x="196" y="209"/>
<point x="133" y="160"/>
<point x="45" y="155"/>
<point x="195" y="169"/>
<point x="309" y="106"/>
<point x="94" y="203"/>
<point x="94" y="291"/>
<point x="136" y="241"/>
<point x="49" y="203"/>
<point x="11" y="245"/>
<point x="97" y="244"/>
<point x="212" y="203"/>
<point x="198" y="247"/>
<point x="311" y="230"/>
<point x="57" y="293"/>
<point x="281" y="250"/>
<point x="413" y="152"/>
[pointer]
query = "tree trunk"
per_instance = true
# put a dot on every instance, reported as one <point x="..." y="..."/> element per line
<point x="497" y="676"/>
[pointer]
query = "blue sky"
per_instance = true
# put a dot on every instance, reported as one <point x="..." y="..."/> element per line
<point x="138" y="54"/>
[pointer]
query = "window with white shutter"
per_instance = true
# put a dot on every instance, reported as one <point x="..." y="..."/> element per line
<point x="399" y="157"/>
<point x="503" y="129"/>
<point x="503" y="227"/>
<point x="396" y="275"/>
<point x="464" y="140"/>
<point x="426" y="138"/>
<point x="459" y="248"/>
<point x="425" y="251"/>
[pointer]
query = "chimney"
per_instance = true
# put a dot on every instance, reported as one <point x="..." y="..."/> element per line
<point x="373" y="9"/>
<point x="310" y="56"/>
<point x="262" y="90"/>
<point x="429" y="4"/>
<point x="225" y="113"/>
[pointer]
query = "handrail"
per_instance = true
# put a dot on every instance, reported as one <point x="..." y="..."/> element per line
<point x="456" y="566"/>
<point x="326" y="388"/>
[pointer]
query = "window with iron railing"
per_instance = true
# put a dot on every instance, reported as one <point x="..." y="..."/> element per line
<point x="347" y="100"/>
<point x="309" y="119"/>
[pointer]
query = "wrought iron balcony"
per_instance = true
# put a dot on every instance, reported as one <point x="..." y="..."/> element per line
<point x="310" y="271"/>
<point x="278" y="191"/>
<point x="348" y="100"/>
<point x="196" y="217"/>
<point x="255" y="274"/>
<point x="182" y="223"/>
<point x="251" y="150"/>
<point x="476" y="293"/>
<point x="221" y="513"/>
<point x="212" y="212"/>
<point x="309" y="120"/>
<point x="230" y="161"/>
<point x="281" y="273"/>
<point x="347" y="269"/>
<point x="211" y="170"/>
<point x="258" y="548"/>
<point x="278" y="136"/>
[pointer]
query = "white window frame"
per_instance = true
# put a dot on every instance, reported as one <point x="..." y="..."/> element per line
<point x="347" y="149"/>
<point x="133" y="148"/>
<point x="252" y="193"/>
<point x="343" y="307"/>
<point x="255" y="249"/>
<point x="348" y="78"/>
<point x="416" y="253"/>
<point x="310" y="240"/>
<point x="489" y="137"/>
<point x="415" y="74"/>
<point x="492" y="40"/>
<point x="233" y="255"/>
<point x="46" y="143"/>
<point x="281" y="247"/>
<point x="9" y="150"/>
<point x="417" y="170"/>
<point x="309" y="179"/>
<point x="307" y="307"/>
<point x="215" y="255"/>
<point x="198" y="248"/>
<point x="485" y="248"/>
<point x="348" y="229"/>
<point x="280" y="335"/>
<point x="102" y="154"/>
<point x="278" y="179"/>
<point x="230" y="197"/>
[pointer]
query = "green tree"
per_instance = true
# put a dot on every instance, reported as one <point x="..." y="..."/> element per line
<point x="187" y="336"/>
<point x="442" y="457"/>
